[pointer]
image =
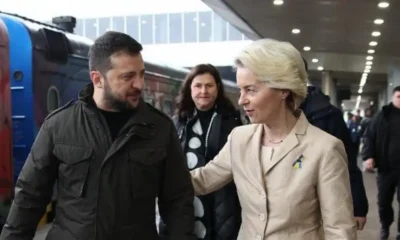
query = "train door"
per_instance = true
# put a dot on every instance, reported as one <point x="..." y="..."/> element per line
<point x="6" y="177"/>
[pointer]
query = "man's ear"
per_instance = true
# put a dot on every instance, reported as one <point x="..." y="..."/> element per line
<point x="97" y="79"/>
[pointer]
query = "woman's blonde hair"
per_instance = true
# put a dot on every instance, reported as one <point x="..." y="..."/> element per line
<point x="279" y="65"/>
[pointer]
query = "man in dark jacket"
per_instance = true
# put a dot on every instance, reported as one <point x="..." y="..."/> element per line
<point x="322" y="114"/>
<point x="381" y="150"/>
<point x="111" y="154"/>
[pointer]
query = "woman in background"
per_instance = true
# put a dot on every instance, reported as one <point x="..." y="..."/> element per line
<point x="204" y="118"/>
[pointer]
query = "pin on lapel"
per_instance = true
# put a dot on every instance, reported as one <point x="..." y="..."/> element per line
<point x="298" y="163"/>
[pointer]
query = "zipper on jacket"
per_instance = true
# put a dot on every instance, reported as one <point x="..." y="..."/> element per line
<point x="208" y="133"/>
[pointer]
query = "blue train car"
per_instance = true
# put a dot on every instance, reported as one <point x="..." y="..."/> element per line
<point x="47" y="67"/>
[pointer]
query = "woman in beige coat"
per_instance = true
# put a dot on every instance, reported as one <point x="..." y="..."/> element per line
<point x="292" y="178"/>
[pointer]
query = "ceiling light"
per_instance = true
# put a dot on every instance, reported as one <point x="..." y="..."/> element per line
<point x="371" y="51"/>
<point x="373" y="43"/>
<point x="368" y="63"/>
<point x="359" y="98"/>
<point x="368" y="67"/>
<point x="320" y="68"/>
<point x="379" y="21"/>
<point x="376" y="34"/>
<point x="364" y="75"/>
<point x="360" y="90"/>
<point x="367" y="70"/>
<point x="278" y="2"/>
<point x="369" y="58"/>
<point x="295" y="31"/>
<point x="383" y="5"/>
<point x="314" y="60"/>
<point x="307" y="48"/>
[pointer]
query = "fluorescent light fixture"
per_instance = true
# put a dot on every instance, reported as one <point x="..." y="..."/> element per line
<point x="373" y="43"/>
<point x="379" y="21"/>
<point x="307" y="48"/>
<point x="368" y="63"/>
<point x="367" y="70"/>
<point x="369" y="58"/>
<point x="371" y="51"/>
<point x="383" y="4"/>
<point x="295" y="31"/>
<point x="320" y="68"/>
<point x="368" y="67"/>
<point x="278" y="2"/>
<point x="360" y="90"/>
<point x="314" y="60"/>
<point x="376" y="34"/>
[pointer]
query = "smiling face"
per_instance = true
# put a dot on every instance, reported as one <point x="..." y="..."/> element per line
<point x="204" y="91"/>
<point x="260" y="102"/>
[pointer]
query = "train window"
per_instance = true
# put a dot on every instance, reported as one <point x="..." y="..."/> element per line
<point x="79" y="27"/>
<point x="220" y="28"/>
<point x="118" y="24"/>
<point x="205" y="28"/>
<point x="57" y="46"/>
<point x="90" y="29"/>
<point x="132" y="26"/>
<point x="53" y="99"/>
<point x="175" y="27"/>
<point x="234" y="34"/>
<point x="161" y="28"/>
<point x="104" y="25"/>
<point x="146" y="29"/>
<point x="190" y="29"/>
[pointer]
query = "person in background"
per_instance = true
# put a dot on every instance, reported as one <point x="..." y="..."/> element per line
<point x="292" y="178"/>
<point x="365" y="121"/>
<point x="381" y="150"/>
<point x="204" y="118"/>
<point x="111" y="154"/>
<point x="322" y="114"/>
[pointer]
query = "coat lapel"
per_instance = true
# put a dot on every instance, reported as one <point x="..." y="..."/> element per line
<point x="290" y="142"/>
<point x="252" y="156"/>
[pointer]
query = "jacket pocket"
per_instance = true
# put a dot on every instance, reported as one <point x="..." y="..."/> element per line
<point x="146" y="171"/>
<point x="74" y="168"/>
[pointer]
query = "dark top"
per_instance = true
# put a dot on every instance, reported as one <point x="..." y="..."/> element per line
<point x="116" y="120"/>
<point x="394" y="150"/>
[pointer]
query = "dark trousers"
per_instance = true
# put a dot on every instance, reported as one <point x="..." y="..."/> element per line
<point x="388" y="184"/>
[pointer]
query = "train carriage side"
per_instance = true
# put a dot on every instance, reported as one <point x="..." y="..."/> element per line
<point x="48" y="67"/>
<point x="6" y="180"/>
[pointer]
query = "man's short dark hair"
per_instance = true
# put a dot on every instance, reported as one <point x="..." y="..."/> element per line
<point x="396" y="89"/>
<point x="108" y="44"/>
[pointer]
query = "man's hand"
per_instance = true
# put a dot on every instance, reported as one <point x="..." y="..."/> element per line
<point x="360" y="222"/>
<point x="369" y="164"/>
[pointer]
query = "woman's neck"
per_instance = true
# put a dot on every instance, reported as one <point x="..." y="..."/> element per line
<point x="276" y="130"/>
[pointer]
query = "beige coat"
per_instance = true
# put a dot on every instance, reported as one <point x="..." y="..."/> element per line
<point x="312" y="202"/>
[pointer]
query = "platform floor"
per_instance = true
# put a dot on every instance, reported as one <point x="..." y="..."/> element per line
<point x="371" y="231"/>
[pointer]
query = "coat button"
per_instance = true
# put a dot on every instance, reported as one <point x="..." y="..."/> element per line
<point x="258" y="237"/>
<point x="262" y="217"/>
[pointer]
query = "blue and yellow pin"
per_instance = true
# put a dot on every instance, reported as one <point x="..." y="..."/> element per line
<point x="298" y="163"/>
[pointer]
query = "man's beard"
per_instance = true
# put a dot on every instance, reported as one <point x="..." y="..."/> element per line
<point x="114" y="102"/>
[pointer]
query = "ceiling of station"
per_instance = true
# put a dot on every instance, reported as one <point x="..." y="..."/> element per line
<point x="338" y="33"/>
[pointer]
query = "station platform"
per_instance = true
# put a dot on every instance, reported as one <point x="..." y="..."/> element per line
<point x="370" y="232"/>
